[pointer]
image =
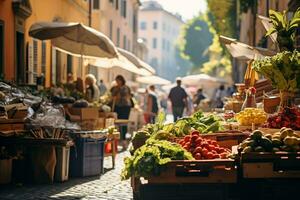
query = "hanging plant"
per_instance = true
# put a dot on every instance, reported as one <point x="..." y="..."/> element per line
<point x="284" y="28"/>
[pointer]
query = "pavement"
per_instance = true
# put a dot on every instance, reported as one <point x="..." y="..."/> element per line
<point x="106" y="187"/>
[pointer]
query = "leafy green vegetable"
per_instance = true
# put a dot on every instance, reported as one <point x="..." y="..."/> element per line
<point x="149" y="159"/>
<point x="283" y="70"/>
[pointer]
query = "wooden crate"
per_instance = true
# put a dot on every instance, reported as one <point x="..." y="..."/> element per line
<point x="200" y="171"/>
<point x="11" y="124"/>
<point x="203" y="175"/>
<point x="257" y="165"/>
<point x="228" y="139"/>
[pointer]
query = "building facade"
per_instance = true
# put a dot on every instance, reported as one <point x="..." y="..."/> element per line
<point x="23" y="58"/>
<point x="160" y="30"/>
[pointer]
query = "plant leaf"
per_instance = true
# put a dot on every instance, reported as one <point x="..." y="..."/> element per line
<point x="278" y="17"/>
<point x="271" y="31"/>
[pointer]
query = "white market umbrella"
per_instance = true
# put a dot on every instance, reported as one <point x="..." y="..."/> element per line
<point x="268" y="25"/>
<point x="200" y="80"/>
<point x="243" y="51"/>
<point x="146" y="70"/>
<point x="120" y="62"/>
<point x="75" y="38"/>
<point x="155" y="80"/>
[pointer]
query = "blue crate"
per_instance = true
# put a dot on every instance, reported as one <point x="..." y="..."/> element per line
<point x="86" y="157"/>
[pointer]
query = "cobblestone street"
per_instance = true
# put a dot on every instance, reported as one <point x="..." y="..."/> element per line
<point x="109" y="186"/>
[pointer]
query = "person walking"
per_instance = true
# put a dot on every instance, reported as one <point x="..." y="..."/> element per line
<point x="121" y="97"/>
<point x="220" y="95"/>
<point x="92" y="91"/>
<point x="102" y="88"/>
<point x="152" y="107"/>
<point x="178" y="98"/>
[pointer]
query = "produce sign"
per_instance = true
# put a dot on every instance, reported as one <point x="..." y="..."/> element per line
<point x="203" y="148"/>
<point x="285" y="140"/>
<point x="287" y="117"/>
<point x="148" y="159"/>
<point x="251" y="116"/>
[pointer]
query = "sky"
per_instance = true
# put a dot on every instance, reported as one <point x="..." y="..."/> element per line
<point x="186" y="8"/>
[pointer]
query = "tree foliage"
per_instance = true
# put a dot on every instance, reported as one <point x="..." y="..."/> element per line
<point x="195" y="40"/>
<point x="222" y="14"/>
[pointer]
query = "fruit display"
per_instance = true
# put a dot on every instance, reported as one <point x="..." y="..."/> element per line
<point x="251" y="116"/>
<point x="285" y="140"/>
<point x="203" y="148"/>
<point x="148" y="159"/>
<point x="287" y="117"/>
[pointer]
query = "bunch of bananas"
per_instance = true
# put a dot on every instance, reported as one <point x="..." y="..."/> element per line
<point x="251" y="116"/>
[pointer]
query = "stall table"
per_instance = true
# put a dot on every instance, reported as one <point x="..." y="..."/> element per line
<point x="112" y="139"/>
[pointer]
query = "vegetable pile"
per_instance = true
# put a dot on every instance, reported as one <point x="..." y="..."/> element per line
<point x="285" y="140"/>
<point x="283" y="70"/>
<point x="251" y="115"/>
<point x="287" y="117"/>
<point x="203" y="148"/>
<point x="148" y="159"/>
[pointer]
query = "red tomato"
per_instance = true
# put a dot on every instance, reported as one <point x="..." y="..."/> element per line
<point x="194" y="137"/>
<point x="210" y="155"/>
<point x="198" y="141"/>
<point x="186" y="147"/>
<point x="217" y="149"/>
<point x="188" y="144"/>
<point x="221" y="150"/>
<point x="213" y="142"/>
<point x="204" y="152"/>
<point x="211" y="147"/>
<point x="216" y="156"/>
<point x="198" y="150"/>
<point x="197" y="156"/>
<point x="214" y="152"/>
<point x="195" y="132"/>
<point x="187" y="138"/>
<point x="223" y="155"/>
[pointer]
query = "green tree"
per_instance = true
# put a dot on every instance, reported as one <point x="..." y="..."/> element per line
<point x="195" y="40"/>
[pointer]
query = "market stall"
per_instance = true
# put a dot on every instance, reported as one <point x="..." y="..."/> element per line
<point x="230" y="153"/>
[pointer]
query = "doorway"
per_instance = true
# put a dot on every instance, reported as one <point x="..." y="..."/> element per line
<point x="1" y="49"/>
<point x="20" y="50"/>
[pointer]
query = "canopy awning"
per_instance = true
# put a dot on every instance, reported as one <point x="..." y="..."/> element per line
<point x="201" y="80"/>
<point x="244" y="51"/>
<point x="154" y="80"/>
<point x="137" y="62"/>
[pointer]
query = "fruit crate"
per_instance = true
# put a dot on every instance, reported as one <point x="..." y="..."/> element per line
<point x="206" y="176"/>
<point x="227" y="139"/>
<point x="260" y="165"/>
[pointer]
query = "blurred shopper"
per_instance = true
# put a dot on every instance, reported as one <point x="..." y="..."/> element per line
<point x="152" y="107"/>
<point x="164" y="102"/>
<point x="102" y="88"/>
<point x="121" y="102"/>
<point x="145" y="107"/>
<point x="220" y="95"/>
<point x="199" y="97"/>
<point x="178" y="98"/>
<point x="92" y="91"/>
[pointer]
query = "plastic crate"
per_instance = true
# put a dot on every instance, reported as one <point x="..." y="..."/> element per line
<point x="86" y="157"/>
<point x="61" y="173"/>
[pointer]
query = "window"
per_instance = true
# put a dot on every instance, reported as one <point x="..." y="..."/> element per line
<point x="96" y="4"/>
<point x="144" y="40"/>
<point x="168" y="45"/>
<point x="111" y="1"/>
<point x="1" y="49"/>
<point x="117" y="4"/>
<point x="163" y="43"/>
<point x="155" y="25"/>
<point x="143" y="25"/>
<point x="164" y="26"/>
<point x="123" y="8"/>
<point x="118" y="37"/>
<point x="134" y="23"/>
<point x="35" y="59"/>
<point x="43" y="58"/>
<point x="110" y="29"/>
<point x="154" y="43"/>
<point x="69" y="64"/>
<point x="128" y="45"/>
<point x="154" y="62"/>
<point x="124" y="42"/>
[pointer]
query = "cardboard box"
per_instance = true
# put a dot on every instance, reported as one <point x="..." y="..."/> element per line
<point x="108" y="115"/>
<point x="85" y="113"/>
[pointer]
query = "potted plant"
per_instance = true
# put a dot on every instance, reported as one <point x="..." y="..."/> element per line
<point x="284" y="28"/>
